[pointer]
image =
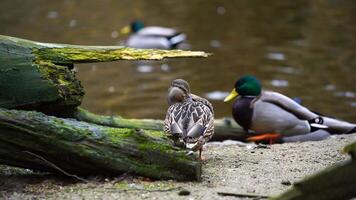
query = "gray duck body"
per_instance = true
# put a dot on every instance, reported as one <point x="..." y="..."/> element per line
<point x="156" y="37"/>
<point x="272" y="112"/>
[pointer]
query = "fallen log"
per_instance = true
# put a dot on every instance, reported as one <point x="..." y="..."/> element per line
<point x="33" y="140"/>
<point x="336" y="182"/>
<point x="38" y="76"/>
<point x="225" y="128"/>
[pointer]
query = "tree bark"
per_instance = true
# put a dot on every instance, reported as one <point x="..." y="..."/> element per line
<point x="225" y="128"/>
<point x="33" y="140"/>
<point x="38" y="76"/>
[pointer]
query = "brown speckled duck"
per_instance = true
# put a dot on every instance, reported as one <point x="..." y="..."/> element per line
<point x="189" y="118"/>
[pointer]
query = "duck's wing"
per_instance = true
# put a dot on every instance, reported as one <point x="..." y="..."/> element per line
<point x="209" y="117"/>
<point x="170" y="35"/>
<point x="190" y="119"/>
<point x="203" y="101"/>
<point x="148" y="42"/>
<point x="177" y="120"/>
<point x="206" y="122"/>
<point x="168" y="119"/>
<point x="209" y="132"/>
<point x="336" y="126"/>
<point x="157" y="31"/>
<point x="287" y="104"/>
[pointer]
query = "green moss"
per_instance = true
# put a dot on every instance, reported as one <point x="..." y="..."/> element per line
<point x="351" y="149"/>
<point x="38" y="75"/>
<point x="61" y="77"/>
<point x="80" y="54"/>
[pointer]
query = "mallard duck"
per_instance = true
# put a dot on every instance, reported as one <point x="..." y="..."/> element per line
<point x="274" y="116"/>
<point x="190" y="118"/>
<point x="152" y="37"/>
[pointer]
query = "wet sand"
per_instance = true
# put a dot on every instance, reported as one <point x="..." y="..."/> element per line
<point x="230" y="167"/>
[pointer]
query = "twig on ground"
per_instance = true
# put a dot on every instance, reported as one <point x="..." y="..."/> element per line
<point x="137" y="189"/>
<point x="256" y="196"/>
<point x="56" y="167"/>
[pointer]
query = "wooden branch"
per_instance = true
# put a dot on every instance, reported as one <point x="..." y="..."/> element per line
<point x="225" y="128"/>
<point x="38" y="76"/>
<point x="57" y="168"/>
<point x="80" y="148"/>
<point x="254" y="196"/>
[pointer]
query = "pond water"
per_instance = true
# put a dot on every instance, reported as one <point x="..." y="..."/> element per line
<point x="304" y="49"/>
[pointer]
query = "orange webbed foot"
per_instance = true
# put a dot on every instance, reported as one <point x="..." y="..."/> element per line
<point x="271" y="137"/>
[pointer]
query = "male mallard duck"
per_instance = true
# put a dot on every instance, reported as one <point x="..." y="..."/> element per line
<point x="273" y="115"/>
<point x="152" y="36"/>
<point x="189" y="118"/>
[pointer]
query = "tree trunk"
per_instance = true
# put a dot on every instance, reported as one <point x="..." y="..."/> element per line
<point x="32" y="140"/>
<point x="38" y="76"/>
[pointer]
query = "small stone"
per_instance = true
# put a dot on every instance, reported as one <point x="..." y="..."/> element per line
<point x="184" y="192"/>
<point x="114" y="34"/>
<point x="72" y="23"/>
<point x="52" y="14"/>
<point x="286" y="183"/>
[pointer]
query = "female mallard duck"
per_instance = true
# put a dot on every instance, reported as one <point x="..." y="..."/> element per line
<point x="152" y="37"/>
<point x="275" y="116"/>
<point x="189" y="118"/>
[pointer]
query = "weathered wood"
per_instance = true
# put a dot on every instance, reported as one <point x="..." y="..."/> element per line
<point x="351" y="149"/>
<point x="336" y="182"/>
<point x="38" y="76"/>
<point x="225" y="128"/>
<point x="32" y="140"/>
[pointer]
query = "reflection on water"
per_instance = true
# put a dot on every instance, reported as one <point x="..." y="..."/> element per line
<point x="304" y="49"/>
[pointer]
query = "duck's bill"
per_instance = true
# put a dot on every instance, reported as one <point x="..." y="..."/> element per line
<point x="231" y="96"/>
<point x="125" y="30"/>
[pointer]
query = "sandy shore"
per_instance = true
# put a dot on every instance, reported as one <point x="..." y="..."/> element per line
<point x="230" y="167"/>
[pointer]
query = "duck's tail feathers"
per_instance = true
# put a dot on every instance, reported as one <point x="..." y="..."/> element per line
<point x="336" y="126"/>
<point x="176" y="130"/>
<point x="314" y="136"/>
<point x="317" y="124"/>
<point x="177" y="39"/>
<point x="196" y="131"/>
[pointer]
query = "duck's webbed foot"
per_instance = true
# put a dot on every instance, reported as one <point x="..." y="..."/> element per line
<point x="272" y="138"/>
<point x="200" y="157"/>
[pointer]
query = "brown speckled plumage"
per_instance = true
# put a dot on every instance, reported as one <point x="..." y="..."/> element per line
<point x="194" y="116"/>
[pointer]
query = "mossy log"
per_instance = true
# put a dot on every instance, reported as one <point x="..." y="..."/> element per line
<point x="336" y="182"/>
<point x="225" y="128"/>
<point x="38" y="76"/>
<point x="33" y="140"/>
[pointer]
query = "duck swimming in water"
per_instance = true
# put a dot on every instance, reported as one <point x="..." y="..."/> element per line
<point x="152" y="37"/>
<point x="190" y="118"/>
<point x="274" y="116"/>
